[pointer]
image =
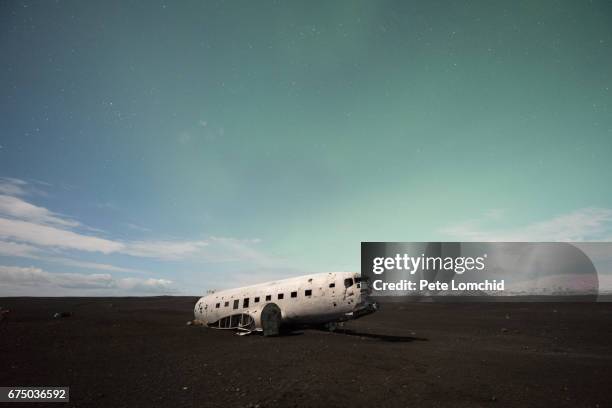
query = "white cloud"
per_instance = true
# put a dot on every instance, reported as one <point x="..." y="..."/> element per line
<point x="12" y="186"/>
<point x="82" y="281"/>
<point x="26" y="238"/>
<point x="36" y="276"/>
<point x="29" y="224"/>
<point x="86" y="265"/>
<point x="22" y="276"/>
<point x="32" y="252"/>
<point x="17" y="208"/>
<point x="35" y="232"/>
<point x="167" y="250"/>
<point x="147" y="285"/>
<point x="45" y="235"/>
<point x="31" y="281"/>
<point x="33" y="226"/>
<point x="586" y="224"/>
<point x="15" y="249"/>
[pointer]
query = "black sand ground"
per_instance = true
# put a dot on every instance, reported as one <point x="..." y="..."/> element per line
<point x="139" y="353"/>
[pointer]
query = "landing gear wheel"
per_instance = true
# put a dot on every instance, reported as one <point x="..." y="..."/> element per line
<point x="271" y="320"/>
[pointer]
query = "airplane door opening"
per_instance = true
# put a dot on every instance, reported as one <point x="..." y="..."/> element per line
<point x="271" y="319"/>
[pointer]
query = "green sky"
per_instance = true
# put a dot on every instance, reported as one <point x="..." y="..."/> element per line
<point x="299" y="129"/>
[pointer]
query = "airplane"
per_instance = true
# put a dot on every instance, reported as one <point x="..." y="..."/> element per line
<point x="323" y="299"/>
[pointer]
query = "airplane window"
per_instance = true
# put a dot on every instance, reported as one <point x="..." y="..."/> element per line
<point x="256" y="300"/>
<point x="281" y="296"/>
<point x="217" y="305"/>
<point x="236" y="303"/>
<point x="226" y="304"/>
<point x="293" y="294"/>
<point x="308" y="292"/>
<point x="245" y="303"/>
<point x="268" y="298"/>
<point x="332" y="285"/>
<point x="348" y="282"/>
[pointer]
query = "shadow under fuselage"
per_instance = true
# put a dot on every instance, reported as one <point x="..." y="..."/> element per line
<point x="287" y="330"/>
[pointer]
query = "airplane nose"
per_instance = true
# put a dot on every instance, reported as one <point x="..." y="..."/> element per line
<point x="199" y="308"/>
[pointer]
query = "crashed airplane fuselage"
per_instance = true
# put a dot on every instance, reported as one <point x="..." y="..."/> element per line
<point x="319" y="299"/>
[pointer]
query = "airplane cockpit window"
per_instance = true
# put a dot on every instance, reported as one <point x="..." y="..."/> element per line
<point x="348" y="282"/>
<point x="256" y="300"/>
<point x="217" y="305"/>
<point x="281" y="296"/>
<point x="293" y="294"/>
<point x="245" y="303"/>
<point x="226" y="304"/>
<point x="308" y="292"/>
<point x="268" y="298"/>
<point x="332" y="285"/>
<point x="236" y="303"/>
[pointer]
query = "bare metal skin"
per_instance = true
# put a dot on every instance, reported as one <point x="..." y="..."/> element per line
<point x="324" y="298"/>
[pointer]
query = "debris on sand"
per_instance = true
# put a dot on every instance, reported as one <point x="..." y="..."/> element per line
<point x="3" y="313"/>
<point x="59" y="315"/>
<point x="195" y="322"/>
